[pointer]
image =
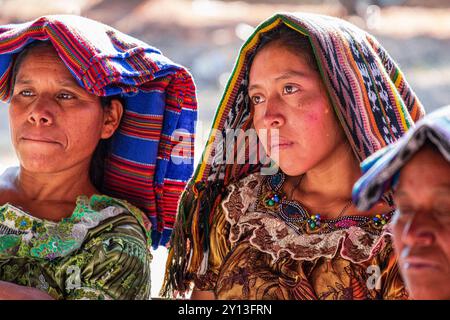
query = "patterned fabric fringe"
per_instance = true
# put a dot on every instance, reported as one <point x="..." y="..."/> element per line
<point x="382" y="168"/>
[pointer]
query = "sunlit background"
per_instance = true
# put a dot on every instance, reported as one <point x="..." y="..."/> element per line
<point x="205" y="35"/>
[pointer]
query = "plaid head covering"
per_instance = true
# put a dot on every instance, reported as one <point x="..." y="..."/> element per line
<point x="151" y="156"/>
<point x="381" y="170"/>
<point x="371" y="98"/>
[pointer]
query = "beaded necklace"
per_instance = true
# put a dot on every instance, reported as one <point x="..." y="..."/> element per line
<point x="293" y="212"/>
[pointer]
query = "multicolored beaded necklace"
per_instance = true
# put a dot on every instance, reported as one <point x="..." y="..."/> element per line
<point x="295" y="214"/>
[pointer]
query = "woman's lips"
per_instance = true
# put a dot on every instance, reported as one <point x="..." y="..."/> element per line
<point x="420" y="264"/>
<point x="281" y="145"/>
<point x="276" y="139"/>
<point x="39" y="139"/>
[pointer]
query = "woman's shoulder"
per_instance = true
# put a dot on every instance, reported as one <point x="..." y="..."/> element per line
<point x="243" y="191"/>
<point x="7" y="187"/>
<point x="116" y="250"/>
<point x="117" y="218"/>
<point x="252" y="180"/>
<point x="241" y="195"/>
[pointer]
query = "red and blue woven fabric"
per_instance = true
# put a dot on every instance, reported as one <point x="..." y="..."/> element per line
<point x="151" y="156"/>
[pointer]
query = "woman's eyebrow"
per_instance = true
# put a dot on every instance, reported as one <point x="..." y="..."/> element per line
<point x="23" y="81"/>
<point x="64" y="82"/>
<point x="400" y="193"/>
<point x="291" y="74"/>
<point x="253" y="86"/>
<point x="443" y="189"/>
<point x="68" y="82"/>
<point x="286" y="75"/>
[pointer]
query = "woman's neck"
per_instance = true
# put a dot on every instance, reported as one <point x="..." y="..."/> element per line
<point x="334" y="177"/>
<point x="63" y="186"/>
<point x="327" y="187"/>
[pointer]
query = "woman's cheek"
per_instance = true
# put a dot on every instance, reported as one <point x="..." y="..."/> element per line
<point x="397" y="230"/>
<point x="258" y="121"/>
<point x="94" y="135"/>
<point x="309" y="116"/>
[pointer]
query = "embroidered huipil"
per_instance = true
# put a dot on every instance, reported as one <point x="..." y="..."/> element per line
<point x="100" y="252"/>
<point x="261" y="253"/>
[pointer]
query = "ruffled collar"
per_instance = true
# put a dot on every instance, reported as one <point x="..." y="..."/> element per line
<point x="270" y="232"/>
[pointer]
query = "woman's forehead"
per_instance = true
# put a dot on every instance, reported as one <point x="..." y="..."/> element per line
<point x="41" y="54"/>
<point x="279" y="66"/>
<point x="437" y="174"/>
<point x="40" y="58"/>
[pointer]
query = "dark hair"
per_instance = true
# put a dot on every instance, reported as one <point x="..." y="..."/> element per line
<point x="97" y="166"/>
<point x="291" y="40"/>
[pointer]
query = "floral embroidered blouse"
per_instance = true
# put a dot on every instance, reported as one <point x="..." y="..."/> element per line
<point x="100" y="252"/>
<point x="260" y="251"/>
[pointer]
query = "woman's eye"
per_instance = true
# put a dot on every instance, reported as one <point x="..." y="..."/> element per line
<point x="289" y="89"/>
<point x="257" y="100"/>
<point x="442" y="213"/>
<point x="26" y="93"/>
<point x="65" y="96"/>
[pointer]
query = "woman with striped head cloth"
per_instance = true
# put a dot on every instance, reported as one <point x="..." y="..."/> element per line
<point x="416" y="170"/>
<point x="321" y="95"/>
<point x="95" y="116"/>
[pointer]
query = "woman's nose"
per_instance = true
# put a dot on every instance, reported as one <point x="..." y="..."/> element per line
<point x="273" y="117"/>
<point x="419" y="230"/>
<point x="40" y="113"/>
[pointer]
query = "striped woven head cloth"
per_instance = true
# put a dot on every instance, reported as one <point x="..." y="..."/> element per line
<point x="145" y="164"/>
<point x="381" y="170"/>
<point x="371" y="98"/>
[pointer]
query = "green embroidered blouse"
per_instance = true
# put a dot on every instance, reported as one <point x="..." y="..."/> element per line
<point x="102" y="251"/>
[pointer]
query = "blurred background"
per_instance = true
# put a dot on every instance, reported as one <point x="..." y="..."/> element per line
<point x="205" y="36"/>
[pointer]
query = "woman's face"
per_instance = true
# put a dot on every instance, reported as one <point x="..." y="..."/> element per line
<point x="55" y="124"/>
<point x="422" y="226"/>
<point x="289" y="100"/>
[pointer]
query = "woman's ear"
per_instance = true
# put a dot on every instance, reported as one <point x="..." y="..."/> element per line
<point x="112" y="116"/>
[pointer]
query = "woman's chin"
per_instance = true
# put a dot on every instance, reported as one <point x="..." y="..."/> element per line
<point x="293" y="172"/>
<point x="292" y="168"/>
<point x="40" y="163"/>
